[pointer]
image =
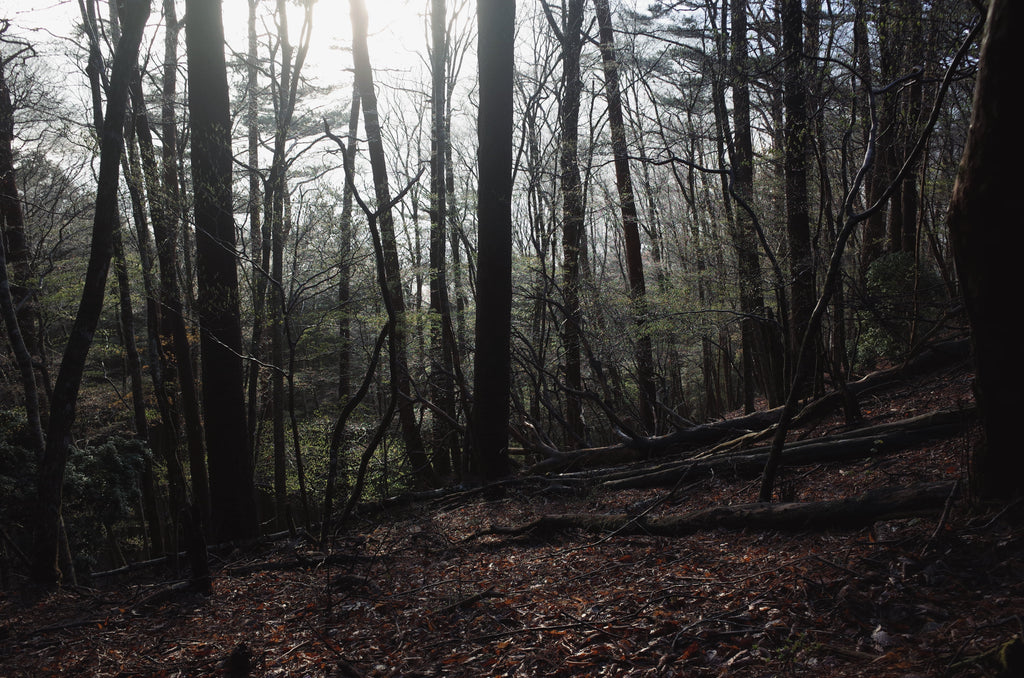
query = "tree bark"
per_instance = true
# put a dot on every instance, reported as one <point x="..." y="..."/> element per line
<point x="13" y="235"/>
<point x="714" y="433"/>
<point x="414" y="448"/>
<point x="868" y="443"/>
<point x="163" y="204"/>
<point x="442" y="382"/>
<point x="987" y="243"/>
<point x="630" y="221"/>
<point x="862" y="511"/>
<point x="569" y="34"/>
<point x="69" y="378"/>
<point x="345" y="259"/>
<point x="234" y="513"/>
<point x="255" y="206"/>
<point x="292" y="60"/>
<point x="754" y="343"/>
<point x="488" y="426"/>
<point x="798" y="226"/>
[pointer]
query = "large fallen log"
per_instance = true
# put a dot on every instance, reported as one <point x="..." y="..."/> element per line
<point x="876" y="441"/>
<point x="698" y="437"/>
<point x="864" y="510"/>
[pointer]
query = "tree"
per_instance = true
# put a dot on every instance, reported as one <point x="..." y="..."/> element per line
<point x="798" y="227"/>
<point x="232" y="490"/>
<point x="286" y="94"/>
<point x="414" y="448"/>
<point x="161" y="185"/>
<point x="754" y="349"/>
<point x="630" y="218"/>
<point x="441" y="339"/>
<point x="987" y="244"/>
<point x="569" y="34"/>
<point x="12" y="235"/>
<point x="488" y="434"/>
<point x="69" y="378"/>
<point x="345" y="255"/>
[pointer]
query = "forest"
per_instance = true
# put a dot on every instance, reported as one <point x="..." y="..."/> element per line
<point x="494" y="338"/>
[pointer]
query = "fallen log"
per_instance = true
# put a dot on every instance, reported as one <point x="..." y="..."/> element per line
<point x="876" y="441"/>
<point x="873" y="506"/>
<point x="698" y="437"/>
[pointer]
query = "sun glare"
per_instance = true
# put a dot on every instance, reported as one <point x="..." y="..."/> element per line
<point x="397" y="33"/>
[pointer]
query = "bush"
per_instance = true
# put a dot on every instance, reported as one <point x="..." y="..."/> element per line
<point x="902" y="302"/>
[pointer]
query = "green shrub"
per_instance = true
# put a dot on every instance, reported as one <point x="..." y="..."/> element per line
<point x="902" y="301"/>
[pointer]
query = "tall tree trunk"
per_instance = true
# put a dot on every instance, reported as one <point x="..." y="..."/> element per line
<point x="988" y="249"/>
<point x="414" y="448"/>
<point x="345" y="259"/>
<point x="798" y="226"/>
<point x="873" y="238"/>
<point x="258" y="268"/>
<point x="21" y="355"/>
<point x="159" y="442"/>
<point x="277" y="188"/>
<point x="127" y="323"/>
<point x="569" y="34"/>
<point x="630" y="220"/>
<point x="232" y="490"/>
<point x="163" y="210"/>
<point x="744" y="238"/>
<point x="69" y="378"/>
<point x="442" y="382"/>
<point x="492" y="377"/>
<point x="12" y="237"/>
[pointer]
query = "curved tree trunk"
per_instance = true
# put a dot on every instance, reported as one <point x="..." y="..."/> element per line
<point x="988" y="247"/>
<point x="414" y="448"/>
<point x="69" y="378"/>
<point x="12" y="235"/>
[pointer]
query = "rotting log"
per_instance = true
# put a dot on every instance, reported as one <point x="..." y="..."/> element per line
<point x="697" y="437"/>
<point x="876" y="441"/>
<point x="850" y="513"/>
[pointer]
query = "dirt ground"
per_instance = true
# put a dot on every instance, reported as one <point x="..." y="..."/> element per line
<point x="406" y="595"/>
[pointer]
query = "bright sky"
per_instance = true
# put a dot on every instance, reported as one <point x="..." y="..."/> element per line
<point x="397" y="28"/>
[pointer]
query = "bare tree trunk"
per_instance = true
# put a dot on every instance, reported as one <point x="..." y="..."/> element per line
<point x="154" y="355"/>
<point x="442" y="382"/>
<point x="988" y="249"/>
<point x="234" y="513"/>
<point x="414" y="448"/>
<point x="163" y="210"/>
<point x="630" y="220"/>
<point x="568" y="32"/>
<point x="745" y="241"/>
<point x="69" y="378"/>
<point x="13" y="234"/>
<point x="798" y="226"/>
<point x="258" y="267"/>
<point x="345" y="263"/>
<point x="488" y="426"/>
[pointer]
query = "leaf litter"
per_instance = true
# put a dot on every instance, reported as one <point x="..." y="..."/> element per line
<point x="909" y="597"/>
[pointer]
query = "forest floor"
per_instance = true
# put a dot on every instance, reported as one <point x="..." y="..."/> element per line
<point x="407" y="596"/>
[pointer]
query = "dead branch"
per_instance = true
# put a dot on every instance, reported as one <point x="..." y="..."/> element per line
<point x="879" y="504"/>
<point x="697" y="437"/>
